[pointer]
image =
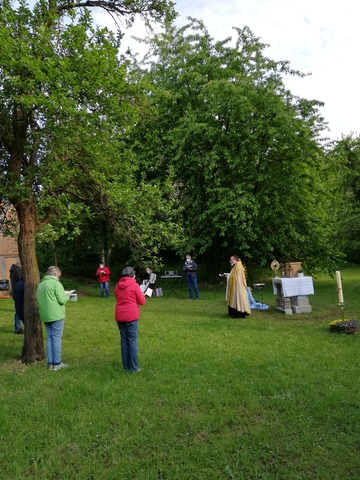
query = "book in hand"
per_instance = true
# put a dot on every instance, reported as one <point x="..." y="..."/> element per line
<point x="69" y="292"/>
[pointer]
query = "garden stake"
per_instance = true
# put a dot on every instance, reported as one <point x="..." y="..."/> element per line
<point x="342" y="311"/>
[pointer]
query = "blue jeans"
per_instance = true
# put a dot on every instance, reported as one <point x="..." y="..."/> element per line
<point x="129" y="345"/>
<point x="54" y="331"/>
<point x="17" y="323"/>
<point x="192" y="283"/>
<point x="104" y="288"/>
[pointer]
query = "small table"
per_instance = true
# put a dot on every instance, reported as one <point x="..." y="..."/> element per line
<point x="260" y="286"/>
<point x="172" y="280"/>
<point x="292" y="294"/>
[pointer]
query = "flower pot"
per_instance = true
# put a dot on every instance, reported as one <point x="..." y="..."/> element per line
<point x="345" y="326"/>
<point x="300" y="274"/>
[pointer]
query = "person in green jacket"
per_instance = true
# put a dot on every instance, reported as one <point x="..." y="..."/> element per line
<point x="51" y="299"/>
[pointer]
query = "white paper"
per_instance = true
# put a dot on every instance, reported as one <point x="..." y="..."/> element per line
<point x="69" y="292"/>
<point x="148" y="292"/>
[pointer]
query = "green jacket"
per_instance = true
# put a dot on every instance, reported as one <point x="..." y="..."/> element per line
<point x="51" y="299"/>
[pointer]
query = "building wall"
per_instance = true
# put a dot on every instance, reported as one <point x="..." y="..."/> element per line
<point x="8" y="255"/>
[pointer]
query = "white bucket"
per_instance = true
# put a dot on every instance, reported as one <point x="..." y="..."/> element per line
<point x="73" y="297"/>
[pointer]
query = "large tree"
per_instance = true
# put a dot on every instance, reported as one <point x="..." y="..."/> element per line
<point x="345" y="156"/>
<point x="245" y="152"/>
<point x="65" y="109"/>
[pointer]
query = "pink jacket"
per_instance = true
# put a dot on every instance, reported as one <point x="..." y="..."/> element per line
<point x="128" y="298"/>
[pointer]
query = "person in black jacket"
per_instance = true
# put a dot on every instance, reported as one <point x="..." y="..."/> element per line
<point x="15" y="275"/>
<point x="18" y="296"/>
<point x="190" y="268"/>
<point x="19" y="299"/>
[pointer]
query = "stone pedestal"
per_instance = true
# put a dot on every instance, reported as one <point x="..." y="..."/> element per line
<point x="300" y="304"/>
<point x="282" y="303"/>
<point x="298" y="300"/>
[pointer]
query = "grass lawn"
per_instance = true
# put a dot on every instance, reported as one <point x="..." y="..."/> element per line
<point x="271" y="397"/>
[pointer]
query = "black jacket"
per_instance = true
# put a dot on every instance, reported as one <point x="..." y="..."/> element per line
<point x="18" y="296"/>
<point x="15" y="274"/>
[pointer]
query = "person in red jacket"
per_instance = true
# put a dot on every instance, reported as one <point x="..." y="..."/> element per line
<point x="103" y="275"/>
<point x="127" y="313"/>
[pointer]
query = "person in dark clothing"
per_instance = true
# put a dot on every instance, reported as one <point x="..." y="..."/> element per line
<point x="151" y="277"/>
<point x="190" y="268"/>
<point x="19" y="299"/>
<point x="18" y="296"/>
<point x="16" y="274"/>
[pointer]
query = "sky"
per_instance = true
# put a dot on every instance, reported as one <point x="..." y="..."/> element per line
<point x="317" y="36"/>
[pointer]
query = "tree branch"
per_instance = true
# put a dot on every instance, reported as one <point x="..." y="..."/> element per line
<point x="157" y="9"/>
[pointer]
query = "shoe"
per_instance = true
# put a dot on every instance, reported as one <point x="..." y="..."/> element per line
<point x="60" y="366"/>
<point x="197" y="298"/>
<point x="136" y="371"/>
<point x="50" y="366"/>
<point x="20" y="332"/>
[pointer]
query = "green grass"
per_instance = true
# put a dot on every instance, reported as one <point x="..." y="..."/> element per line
<point x="271" y="397"/>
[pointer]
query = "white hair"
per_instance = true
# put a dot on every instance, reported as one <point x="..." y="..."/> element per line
<point x="54" y="271"/>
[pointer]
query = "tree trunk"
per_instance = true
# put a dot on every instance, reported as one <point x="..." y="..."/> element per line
<point x="33" y="339"/>
<point x="24" y="203"/>
<point x="214" y="257"/>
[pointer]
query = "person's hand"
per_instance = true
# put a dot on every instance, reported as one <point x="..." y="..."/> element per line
<point x="68" y="294"/>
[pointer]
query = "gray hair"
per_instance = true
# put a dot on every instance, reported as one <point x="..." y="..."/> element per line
<point x="54" y="271"/>
<point x="128" y="272"/>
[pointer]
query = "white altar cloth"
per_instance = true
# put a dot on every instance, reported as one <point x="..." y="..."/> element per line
<point x="293" y="287"/>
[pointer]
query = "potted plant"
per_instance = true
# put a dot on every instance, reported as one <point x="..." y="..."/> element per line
<point x="344" y="326"/>
<point x="300" y="272"/>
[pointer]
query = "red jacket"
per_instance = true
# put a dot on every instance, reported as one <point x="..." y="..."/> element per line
<point x="103" y="277"/>
<point x="128" y="298"/>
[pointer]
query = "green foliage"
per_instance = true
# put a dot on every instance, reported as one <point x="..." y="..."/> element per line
<point x="77" y="111"/>
<point x="66" y="110"/>
<point x="81" y="255"/>
<point x="345" y="154"/>
<point x="245" y="152"/>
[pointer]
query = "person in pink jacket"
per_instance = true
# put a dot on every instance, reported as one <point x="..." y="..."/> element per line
<point x="127" y="313"/>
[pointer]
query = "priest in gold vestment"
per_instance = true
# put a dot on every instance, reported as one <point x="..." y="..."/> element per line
<point x="236" y="290"/>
